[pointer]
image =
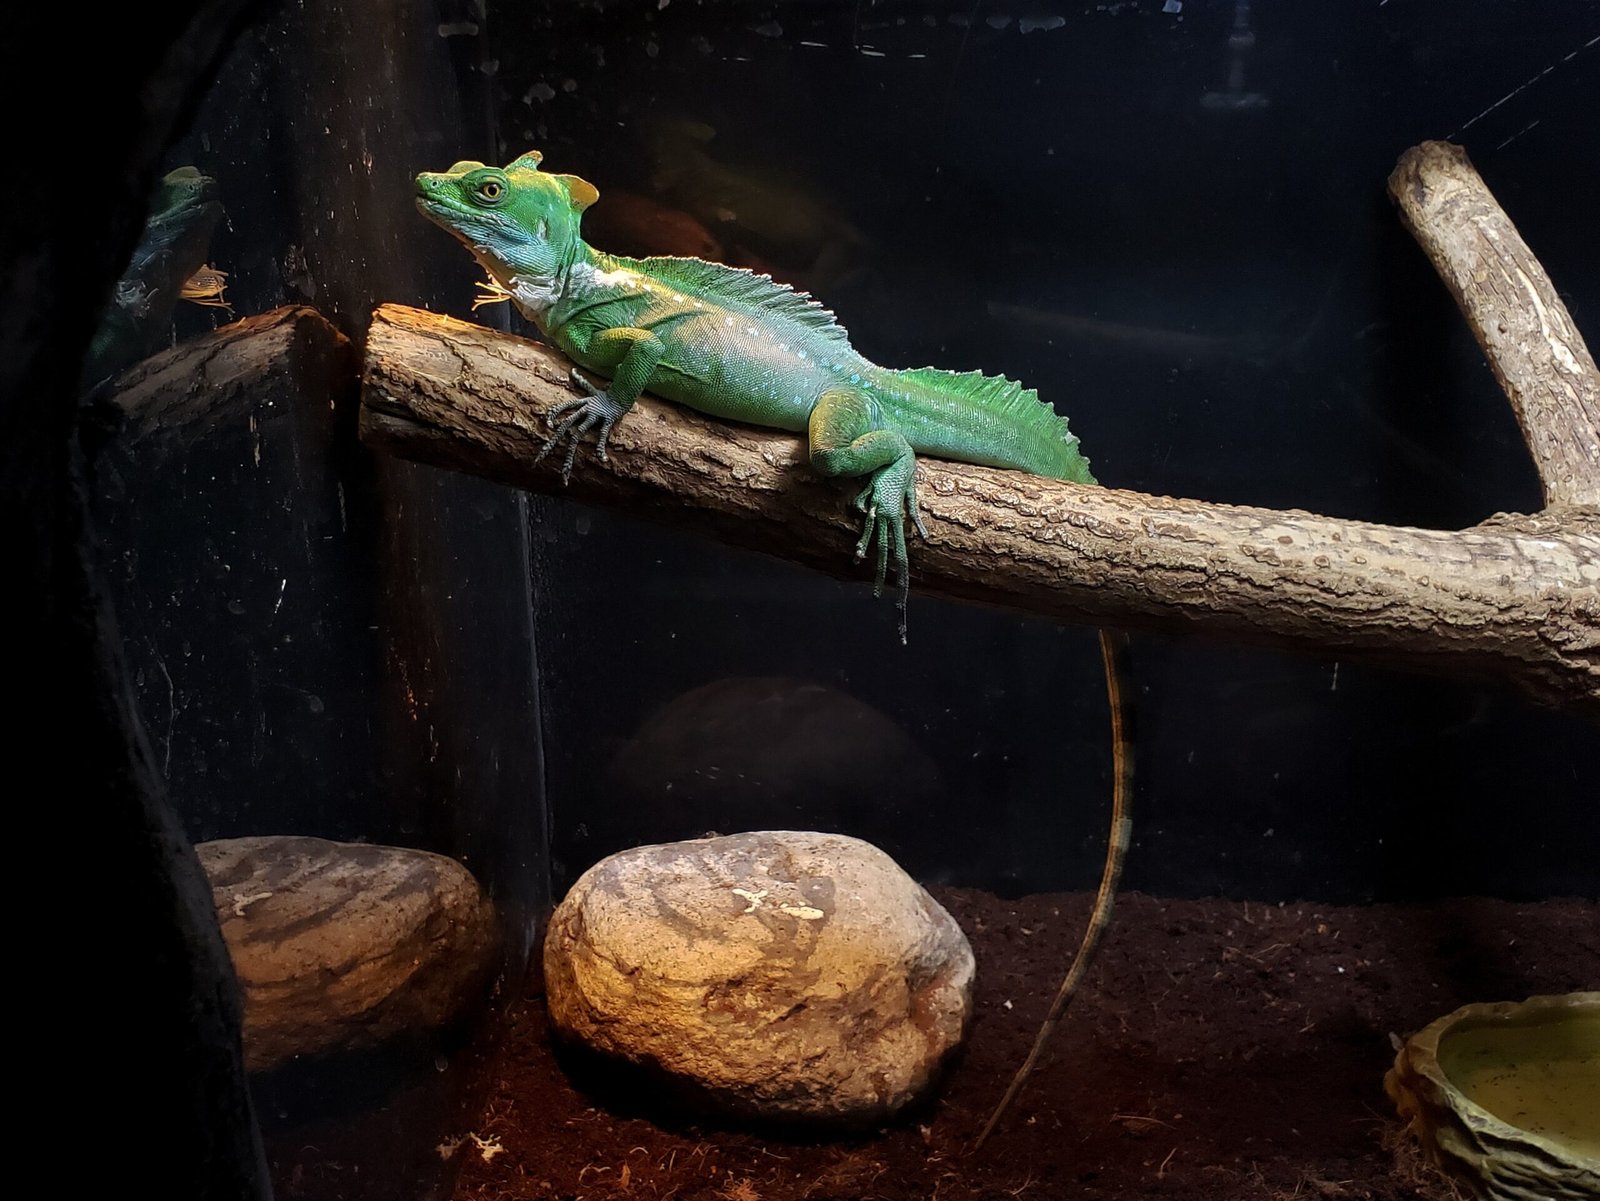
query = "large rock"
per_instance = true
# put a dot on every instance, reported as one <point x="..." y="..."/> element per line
<point x="341" y="946"/>
<point x="775" y="975"/>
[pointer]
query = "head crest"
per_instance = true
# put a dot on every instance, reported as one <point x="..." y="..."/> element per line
<point x="580" y="192"/>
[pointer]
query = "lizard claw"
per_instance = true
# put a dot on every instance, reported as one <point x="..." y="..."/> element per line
<point x="577" y="416"/>
<point x="867" y="531"/>
<point x="914" y="508"/>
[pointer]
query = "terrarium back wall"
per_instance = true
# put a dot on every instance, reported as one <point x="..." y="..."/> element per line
<point x="1171" y="220"/>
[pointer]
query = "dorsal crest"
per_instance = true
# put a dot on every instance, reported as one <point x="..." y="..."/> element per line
<point x="1006" y="397"/>
<point x="744" y="291"/>
<point x="990" y="391"/>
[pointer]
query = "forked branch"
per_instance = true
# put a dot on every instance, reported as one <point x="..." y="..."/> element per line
<point x="1533" y="348"/>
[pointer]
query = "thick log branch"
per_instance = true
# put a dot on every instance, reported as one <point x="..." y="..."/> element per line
<point x="1531" y="343"/>
<point x="182" y="393"/>
<point x="1517" y="598"/>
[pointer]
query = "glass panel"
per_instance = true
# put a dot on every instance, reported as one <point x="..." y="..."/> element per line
<point x="328" y="644"/>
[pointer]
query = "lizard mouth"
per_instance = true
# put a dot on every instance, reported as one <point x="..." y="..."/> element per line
<point x="446" y="216"/>
<point x="435" y="199"/>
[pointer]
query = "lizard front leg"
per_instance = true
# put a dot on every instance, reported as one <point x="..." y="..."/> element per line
<point x="631" y="356"/>
<point x="847" y="438"/>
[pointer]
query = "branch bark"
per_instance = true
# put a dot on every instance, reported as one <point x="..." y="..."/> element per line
<point x="1517" y="597"/>
<point x="1532" y="345"/>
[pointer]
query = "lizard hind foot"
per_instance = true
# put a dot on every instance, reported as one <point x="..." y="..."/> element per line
<point x="887" y="501"/>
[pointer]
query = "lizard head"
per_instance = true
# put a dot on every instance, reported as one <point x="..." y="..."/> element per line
<point x="517" y="220"/>
<point x="184" y="211"/>
<point x="182" y="195"/>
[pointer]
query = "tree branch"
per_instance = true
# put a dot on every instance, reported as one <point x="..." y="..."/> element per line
<point x="1534" y="349"/>
<point x="183" y="393"/>
<point x="1517" y="597"/>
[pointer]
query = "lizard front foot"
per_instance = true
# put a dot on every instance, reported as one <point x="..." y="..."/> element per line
<point x="887" y="500"/>
<point x="577" y="416"/>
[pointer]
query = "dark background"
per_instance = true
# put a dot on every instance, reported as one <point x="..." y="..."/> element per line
<point x="1188" y="210"/>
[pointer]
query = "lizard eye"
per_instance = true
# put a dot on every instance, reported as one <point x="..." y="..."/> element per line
<point x="491" y="191"/>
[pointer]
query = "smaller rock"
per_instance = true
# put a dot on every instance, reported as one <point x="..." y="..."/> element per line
<point x="340" y="946"/>
<point x="777" y="975"/>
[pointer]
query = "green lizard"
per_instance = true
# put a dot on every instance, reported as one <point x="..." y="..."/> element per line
<point x="732" y="344"/>
<point x="168" y="265"/>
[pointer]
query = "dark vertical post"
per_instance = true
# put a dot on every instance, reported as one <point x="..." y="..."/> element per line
<point x="153" y="1042"/>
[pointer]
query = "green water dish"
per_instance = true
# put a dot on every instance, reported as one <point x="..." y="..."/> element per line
<point x="1505" y="1097"/>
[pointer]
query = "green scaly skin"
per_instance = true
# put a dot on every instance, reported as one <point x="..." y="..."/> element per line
<point x="737" y="345"/>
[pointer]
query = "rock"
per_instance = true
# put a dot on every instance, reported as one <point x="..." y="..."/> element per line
<point x="764" y="751"/>
<point x="776" y="975"/>
<point x="340" y="946"/>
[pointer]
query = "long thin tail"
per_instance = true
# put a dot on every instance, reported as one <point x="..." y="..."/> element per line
<point x="1114" y="653"/>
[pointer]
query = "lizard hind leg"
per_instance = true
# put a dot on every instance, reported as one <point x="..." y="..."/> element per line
<point x="847" y="438"/>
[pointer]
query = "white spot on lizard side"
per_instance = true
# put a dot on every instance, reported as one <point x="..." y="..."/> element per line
<point x="534" y="296"/>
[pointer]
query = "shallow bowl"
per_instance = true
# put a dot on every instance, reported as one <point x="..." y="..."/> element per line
<point x="1506" y="1097"/>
